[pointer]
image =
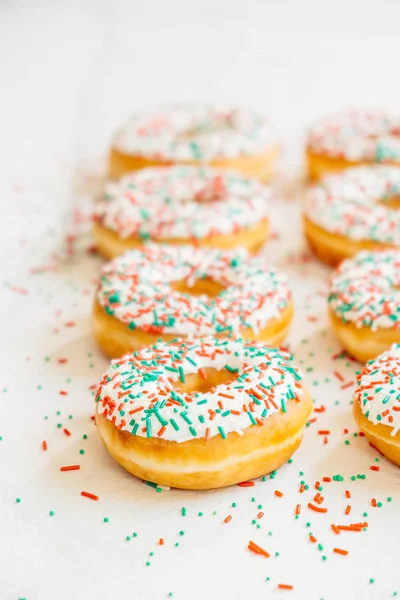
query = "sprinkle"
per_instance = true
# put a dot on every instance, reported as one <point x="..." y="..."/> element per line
<point x="227" y="519"/>
<point x="89" y="495"/>
<point x="70" y="468"/>
<point x="278" y="493"/>
<point x="340" y="551"/>
<point x="257" y="549"/>
<point x="319" y="509"/>
<point x="284" y="586"/>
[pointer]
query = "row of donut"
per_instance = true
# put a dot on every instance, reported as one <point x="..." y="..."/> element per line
<point x="158" y="406"/>
<point x="245" y="141"/>
<point x="197" y="411"/>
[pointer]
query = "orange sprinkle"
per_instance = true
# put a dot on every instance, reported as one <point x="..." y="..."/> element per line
<point x="298" y="509"/>
<point x="89" y="495"/>
<point x="260" y="515"/>
<point x="278" y="493"/>
<point x="257" y="550"/>
<point x="347" y="493"/>
<point x="161" y="541"/>
<point x="319" y="509"/>
<point x="338" y="375"/>
<point x="207" y="434"/>
<point x="161" y="432"/>
<point x="323" y="432"/>
<point x="346" y="385"/>
<point x="301" y="489"/>
<point x="63" y="393"/>
<point x="284" y="586"/>
<point x="246" y="484"/>
<point x="335" y="529"/>
<point x="202" y="374"/>
<point x="350" y="527"/>
<point x="317" y="484"/>
<point x="373" y="502"/>
<point x="228" y="518"/>
<point x="327" y="479"/>
<point x="313" y="539"/>
<point x="70" y="468"/>
<point x="44" y="445"/>
<point x="348" y="509"/>
<point x="340" y="551"/>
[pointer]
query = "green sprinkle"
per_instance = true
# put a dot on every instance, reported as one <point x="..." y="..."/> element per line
<point x="51" y="513"/>
<point x="222" y="432"/>
<point x="81" y="452"/>
<point x="106" y="519"/>
<point x="184" y="511"/>
<point x="17" y="500"/>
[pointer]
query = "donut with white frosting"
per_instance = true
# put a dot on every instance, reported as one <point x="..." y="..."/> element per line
<point x="377" y="402"/>
<point x="169" y="291"/>
<point x="353" y="211"/>
<point x="204" y="413"/>
<point x="181" y="205"/>
<point x="353" y="137"/>
<point x="364" y="302"/>
<point x="234" y="138"/>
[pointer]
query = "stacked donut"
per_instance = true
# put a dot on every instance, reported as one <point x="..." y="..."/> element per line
<point x="199" y="395"/>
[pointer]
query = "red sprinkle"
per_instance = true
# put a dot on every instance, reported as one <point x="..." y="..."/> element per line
<point x="284" y="586"/>
<point x="319" y="509"/>
<point x="340" y="551"/>
<point x="89" y="495"/>
<point x="63" y="393"/>
<point x="44" y="445"/>
<point x="257" y="549"/>
<point x="374" y="468"/>
<point x="228" y="518"/>
<point x="67" y="432"/>
<point x="246" y="484"/>
<point x="70" y="468"/>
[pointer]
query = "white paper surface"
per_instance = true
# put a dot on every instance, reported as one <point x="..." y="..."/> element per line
<point x="89" y="64"/>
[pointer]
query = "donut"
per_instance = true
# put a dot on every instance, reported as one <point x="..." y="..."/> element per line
<point x="364" y="303"/>
<point x="181" y="205"/>
<point x="199" y="135"/>
<point x="353" y="211"/>
<point x="351" y="138"/>
<point x="182" y="291"/>
<point x="202" y="414"/>
<point x="377" y="403"/>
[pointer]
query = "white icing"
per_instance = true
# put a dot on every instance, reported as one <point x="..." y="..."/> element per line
<point x="195" y="132"/>
<point x="182" y="202"/>
<point x="357" y="135"/>
<point x="364" y="290"/>
<point x="378" y="390"/>
<point x="351" y="204"/>
<point x="137" y="288"/>
<point x="267" y="371"/>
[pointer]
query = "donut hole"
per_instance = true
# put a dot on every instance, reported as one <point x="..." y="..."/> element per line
<point x="204" y="382"/>
<point x="392" y="202"/>
<point x="201" y="287"/>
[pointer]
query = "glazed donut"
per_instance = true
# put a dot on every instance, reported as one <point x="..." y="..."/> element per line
<point x="352" y="138"/>
<point x="353" y="211"/>
<point x="169" y="291"/>
<point x="235" y="139"/>
<point x="202" y="414"/>
<point x="364" y="303"/>
<point x="377" y="403"/>
<point x="181" y="205"/>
